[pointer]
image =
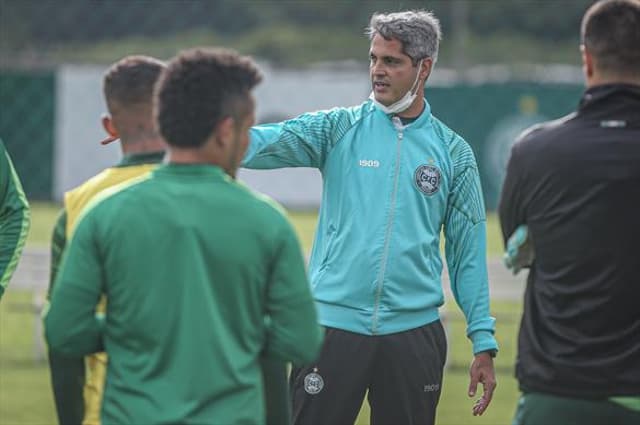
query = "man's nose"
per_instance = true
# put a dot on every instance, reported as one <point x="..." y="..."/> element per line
<point x="378" y="69"/>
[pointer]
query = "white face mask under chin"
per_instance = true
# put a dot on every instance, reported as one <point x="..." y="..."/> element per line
<point x="403" y="103"/>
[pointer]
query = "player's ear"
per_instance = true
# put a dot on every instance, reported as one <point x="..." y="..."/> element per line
<point x="225" y="131"/>
<point x="425" y="69"/>
<point x="107" y="124"/>
<point x="587" y="62"/>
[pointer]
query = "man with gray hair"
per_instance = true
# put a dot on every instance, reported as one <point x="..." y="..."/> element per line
<point x="394" y="178"/>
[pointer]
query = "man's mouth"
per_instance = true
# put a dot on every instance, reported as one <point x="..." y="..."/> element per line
<point x="380" y="86"/>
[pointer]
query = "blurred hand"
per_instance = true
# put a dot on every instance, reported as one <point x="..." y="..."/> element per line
<point x="482" y="371"/>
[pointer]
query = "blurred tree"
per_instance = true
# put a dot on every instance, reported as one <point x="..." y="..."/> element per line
<point x="545" y="19"/>
<point x="38" y="25"/>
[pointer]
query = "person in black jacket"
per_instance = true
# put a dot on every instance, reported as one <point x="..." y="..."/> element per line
<point x="575" y="184"/>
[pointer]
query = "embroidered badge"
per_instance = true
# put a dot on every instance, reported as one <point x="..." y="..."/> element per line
<point x="313" y="382"/>
<point x="427" y="178"/>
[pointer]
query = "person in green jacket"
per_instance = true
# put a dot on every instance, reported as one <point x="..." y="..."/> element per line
<point x="77" y="382"/>
<point x="14" y="218"/>
<point x="203" y="277"/>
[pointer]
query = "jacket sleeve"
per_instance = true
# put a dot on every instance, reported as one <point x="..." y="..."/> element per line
<point x="58" y="243"/>
<point x="511" y="205"/>
<point x="466" y="248"/>
<point x="304" y="141"/>
<point x="276" y="391"/>
<point x="293" y="333"/>
<point x="71" y="325"/>
<point x="67" y="382"/>
<point x="14" y="219"/>
<point x="67" y="373"/>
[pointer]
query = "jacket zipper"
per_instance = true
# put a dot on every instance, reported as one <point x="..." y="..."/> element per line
<point x="387" y="237"/>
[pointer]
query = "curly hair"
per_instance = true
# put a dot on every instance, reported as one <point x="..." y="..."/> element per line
<point x="200" y="88"/>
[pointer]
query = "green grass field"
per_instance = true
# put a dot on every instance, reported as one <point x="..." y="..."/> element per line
<point x="25" y="395"/>
<point x="44" y="217"/>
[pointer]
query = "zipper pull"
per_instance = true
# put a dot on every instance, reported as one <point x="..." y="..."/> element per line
<point x="397" y="123"/>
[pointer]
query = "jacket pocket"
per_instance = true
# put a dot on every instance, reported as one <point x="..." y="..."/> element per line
<point x="331" y="237"/>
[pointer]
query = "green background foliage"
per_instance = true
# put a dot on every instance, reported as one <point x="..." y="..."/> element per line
<point x="284" y="32"/>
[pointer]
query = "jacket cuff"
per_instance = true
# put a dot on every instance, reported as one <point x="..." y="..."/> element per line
<point x="483" y="341"/>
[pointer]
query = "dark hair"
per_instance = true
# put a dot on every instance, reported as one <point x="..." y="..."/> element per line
<point x="130" y="81"/>
<point x="611" y="34"/>
<point x="201" y="87"/>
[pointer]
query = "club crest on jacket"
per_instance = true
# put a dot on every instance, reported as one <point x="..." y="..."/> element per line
<point x="427" y="179"/>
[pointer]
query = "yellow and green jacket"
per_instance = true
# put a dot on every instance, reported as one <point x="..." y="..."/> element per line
<point x="78" y="383"/>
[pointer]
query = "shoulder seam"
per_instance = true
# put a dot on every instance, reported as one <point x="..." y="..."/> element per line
<point x="356" y="122"/>
<point x="112" y="191"/>
<point x="346" y="131"/>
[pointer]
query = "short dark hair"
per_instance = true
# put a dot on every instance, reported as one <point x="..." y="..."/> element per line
<point x="130" y="82"/>
<point x="200" y="88"/>
<point x="611" y="34"/>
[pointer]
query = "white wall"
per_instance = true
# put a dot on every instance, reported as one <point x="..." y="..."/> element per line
<point x="282" y="94"/>
<point x="78" y="153"/>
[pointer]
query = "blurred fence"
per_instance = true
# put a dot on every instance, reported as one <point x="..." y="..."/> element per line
<point x="50" y="123"/>
<point x="53" y="54"/>
<point x="27" y="127"/>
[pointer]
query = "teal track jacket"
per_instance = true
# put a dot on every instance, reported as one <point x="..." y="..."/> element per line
<point x="389" y="190"/>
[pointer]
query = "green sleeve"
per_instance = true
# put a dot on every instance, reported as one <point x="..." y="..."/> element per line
<point x="71" y="325"/>
<point x="276" y="390"/>
<point x="58" y="243"/>
<point x="14" y="219"/>
<point x="67" y="373"/>
<point x="293" y="334"/>
<point x="67" y="382"/>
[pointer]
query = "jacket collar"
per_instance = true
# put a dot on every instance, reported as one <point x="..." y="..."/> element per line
<point x="423" y="119"/>
<point x="596" y="93"/>
<point x="141" y="158"/>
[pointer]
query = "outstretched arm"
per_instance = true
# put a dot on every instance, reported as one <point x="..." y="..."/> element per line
<point x="304" y="141"/>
